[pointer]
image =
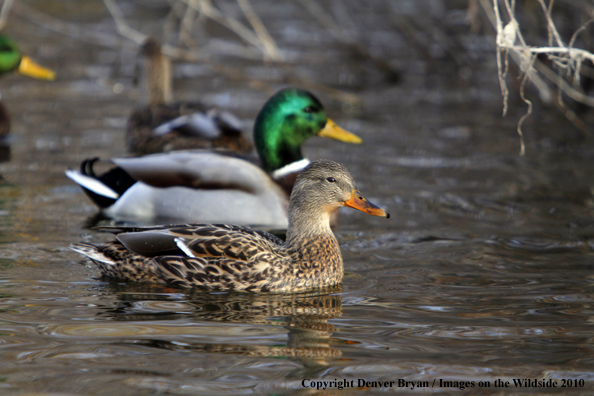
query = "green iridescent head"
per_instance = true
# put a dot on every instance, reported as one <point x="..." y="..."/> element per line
<point x="10" y="56"/>
<point x="287" y="120"/>
<point x="11" y="60"/>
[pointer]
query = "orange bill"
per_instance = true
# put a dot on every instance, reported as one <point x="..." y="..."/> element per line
<point x="358" y="201"/>
<point x="31" y="69"/>
<point x="333" y="131"/>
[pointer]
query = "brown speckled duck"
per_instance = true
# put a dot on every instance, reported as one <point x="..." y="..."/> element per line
<point x="236" y="258"/>
<point x="163" y="125"/>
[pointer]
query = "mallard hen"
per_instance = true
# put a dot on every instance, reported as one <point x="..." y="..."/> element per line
<point x="229" y="257"/>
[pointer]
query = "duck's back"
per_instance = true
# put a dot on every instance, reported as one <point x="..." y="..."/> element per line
<point x="200" y="187"/>
<point x="188" y="125"/>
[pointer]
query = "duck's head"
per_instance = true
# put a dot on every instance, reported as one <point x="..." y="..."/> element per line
<point x="321" y="188"/>
<point x="286" y="121"/>
<point x="11" y="60"/>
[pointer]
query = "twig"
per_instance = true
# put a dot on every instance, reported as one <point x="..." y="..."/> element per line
<point x="122" y="25"/>
<point x="207" y="9"/>
<point x="563" y="85"/>
<point x="564" y="57"/>
<point x="528" y="112"/>
<point x="72" y="30"/>
<point x="526" y="65"/>
<point x="499" y="39"/>
<point x="550" y="25"/>
<point x="5" y="12"/>
<point x="326" y="20"/>
<point x="574" y="53"/>
<point x="260" y="29"/>
<point x="187" y="22"/>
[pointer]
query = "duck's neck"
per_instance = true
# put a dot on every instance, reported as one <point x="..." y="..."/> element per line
<point x="157" y="80"/>
<point x="306" y="224"/>
<point x="314" y="250"/>
<point x="276" y="154"/>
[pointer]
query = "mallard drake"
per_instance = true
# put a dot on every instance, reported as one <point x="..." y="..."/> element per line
<point x="235" y="258"/>
<point x="209" y="187"/>
<point x="11" y="60"/>
<point x="162" y="125"/>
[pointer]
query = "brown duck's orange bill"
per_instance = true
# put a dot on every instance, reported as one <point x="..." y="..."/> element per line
<point x="31" y="69"/>
<point x="358" y="201"/>
<point x="333" y="131"/>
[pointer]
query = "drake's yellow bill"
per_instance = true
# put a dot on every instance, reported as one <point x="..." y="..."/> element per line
<point x="333" y="131"/>
<point x="31" y="69"/>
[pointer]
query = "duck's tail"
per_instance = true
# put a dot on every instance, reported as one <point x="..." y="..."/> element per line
<point x="92" y="252"/>
<point x="105" y="189"/>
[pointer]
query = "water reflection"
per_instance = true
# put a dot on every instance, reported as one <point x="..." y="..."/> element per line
<point x="304" y="316"/>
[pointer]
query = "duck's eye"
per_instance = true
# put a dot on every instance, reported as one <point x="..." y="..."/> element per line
<point x="331" y="179"/>
<point x="311" y="109"/>
<point x="5" y="48"/>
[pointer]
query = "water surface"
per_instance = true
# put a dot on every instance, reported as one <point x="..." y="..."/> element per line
<point x="483" y="273"/>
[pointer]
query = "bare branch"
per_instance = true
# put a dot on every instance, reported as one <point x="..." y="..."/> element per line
<point x="69" y="29"/>
<point x="550" y="25"/>
<point x="5" y="12"/>
<point x="500" y="72"/>
<point x="208" y="10"/>
<point x="260" y="29"/>
<point x="122" y="25"/>
<point x="529" y="111"/>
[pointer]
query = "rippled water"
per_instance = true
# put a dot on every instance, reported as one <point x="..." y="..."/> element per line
<point x="483" y="273"/>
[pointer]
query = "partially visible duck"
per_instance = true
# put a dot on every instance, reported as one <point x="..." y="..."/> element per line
<point x="164" y="125"/>
<point x="202" y="186"/>
<point x="234" y="258"/>
<point x="11" y="60"/>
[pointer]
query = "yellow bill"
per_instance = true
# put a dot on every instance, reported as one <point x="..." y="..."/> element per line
<point x="333" y="131"/>
<point x="31" y="69"/>
<point x="359" y="202"/>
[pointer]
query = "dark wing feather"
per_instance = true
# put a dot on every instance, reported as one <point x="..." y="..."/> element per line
<point x="121" y="229"/>
<point x="150" y="243"/>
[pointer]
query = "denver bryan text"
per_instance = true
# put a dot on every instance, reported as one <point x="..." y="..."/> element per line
<point x="361" y="383"/>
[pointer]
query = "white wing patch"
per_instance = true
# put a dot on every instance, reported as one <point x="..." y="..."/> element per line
<point x="91" y="184"/>
<point x="181" y="243"/>
<point x="92" y="254"/>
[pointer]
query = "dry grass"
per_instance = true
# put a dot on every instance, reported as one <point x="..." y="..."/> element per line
<point x="564" y="64"/>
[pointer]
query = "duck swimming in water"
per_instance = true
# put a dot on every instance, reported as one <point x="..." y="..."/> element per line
<point x="12" y="60"/>
<point x="209" y="187"/>
<point x="234" y="258"/>
<point x="163" y="125"/>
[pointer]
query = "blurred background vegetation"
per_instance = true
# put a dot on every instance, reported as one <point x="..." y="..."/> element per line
<point x="530" y="45"/>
